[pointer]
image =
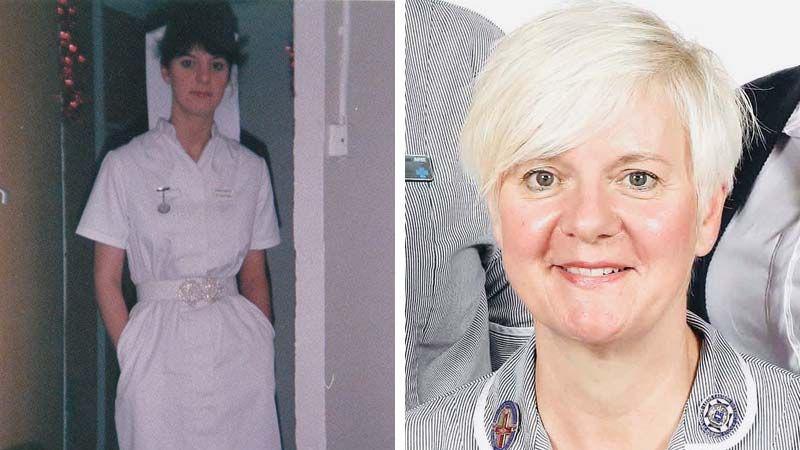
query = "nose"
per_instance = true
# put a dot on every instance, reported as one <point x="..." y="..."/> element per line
<point x="203" y="73"/>
<point x="589" y="215"/>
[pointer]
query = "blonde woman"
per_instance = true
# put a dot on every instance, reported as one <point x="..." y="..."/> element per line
<point x="605" y="146"/>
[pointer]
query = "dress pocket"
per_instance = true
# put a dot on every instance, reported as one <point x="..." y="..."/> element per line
<point x="122" y="342"/>
<point x="258" y="314"/>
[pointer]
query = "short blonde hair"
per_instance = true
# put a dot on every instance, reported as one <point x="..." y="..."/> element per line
<point x="567" y="75"/>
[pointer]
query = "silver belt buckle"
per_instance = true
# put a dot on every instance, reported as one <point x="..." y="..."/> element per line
<point x="202" y="290"/>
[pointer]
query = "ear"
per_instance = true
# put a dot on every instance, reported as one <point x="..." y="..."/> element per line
<point x="708" y="229"/>
<point x="165" y="74"/>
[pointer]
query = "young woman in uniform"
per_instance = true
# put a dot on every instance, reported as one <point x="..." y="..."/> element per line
<point x="192" y="210"/>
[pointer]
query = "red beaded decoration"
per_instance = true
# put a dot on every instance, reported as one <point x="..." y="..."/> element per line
<point x="71" y="95"/>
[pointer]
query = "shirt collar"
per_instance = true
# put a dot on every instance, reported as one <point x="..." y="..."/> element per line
<point x="166" y="130"/>
<point x="723" y="377"/>
<point x="165" y="126"/>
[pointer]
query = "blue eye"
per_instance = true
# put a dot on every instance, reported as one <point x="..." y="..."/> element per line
<point x="540" y="180"/>
<point x="640" y="180"/>
<point x="186" y="63"/>
<point x="219" y="66"/>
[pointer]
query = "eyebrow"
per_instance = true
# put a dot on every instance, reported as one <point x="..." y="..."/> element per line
<point x="635" y="157"/>
<point x="639" y="157"/>
<point x="190" y="55"/>
<point x="630" y="158"/>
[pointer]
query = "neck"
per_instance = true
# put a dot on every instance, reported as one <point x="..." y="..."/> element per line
<point x="624" y="396"/>
<point x="193" y="132"/>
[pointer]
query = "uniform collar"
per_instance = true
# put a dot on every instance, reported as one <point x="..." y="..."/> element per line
<point x="165" y="126"/>
<point x="165" y="130"/>
<point x="722" y="377"/>
<point x="721" y="373"/>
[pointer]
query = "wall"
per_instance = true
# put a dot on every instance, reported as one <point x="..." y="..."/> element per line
<point x="309" y="145"/>
<point x="748" y="40"/>
<point x="359" y="237"/>
<point x="31" y="250"/>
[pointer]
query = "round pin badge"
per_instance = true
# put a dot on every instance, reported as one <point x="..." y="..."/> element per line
<point x="719" y="416"/>
<point x="506" y="425"/>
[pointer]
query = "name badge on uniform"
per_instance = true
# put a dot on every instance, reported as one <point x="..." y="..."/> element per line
<point x="419" y="168"/>
<point x="224" y="193"/>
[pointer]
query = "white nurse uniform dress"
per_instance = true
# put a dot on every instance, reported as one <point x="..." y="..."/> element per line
<point x="196" y="358"/>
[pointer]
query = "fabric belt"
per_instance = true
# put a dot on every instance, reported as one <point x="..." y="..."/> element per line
<point x="192" y="291"/>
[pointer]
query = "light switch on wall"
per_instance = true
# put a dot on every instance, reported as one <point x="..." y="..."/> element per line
<point x="337" y="140"/>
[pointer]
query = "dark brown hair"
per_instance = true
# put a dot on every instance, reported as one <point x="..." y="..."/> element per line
<point x="210" y="26"/>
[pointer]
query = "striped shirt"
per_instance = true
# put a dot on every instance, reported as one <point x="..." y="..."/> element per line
<point x="455" y="285"/>
<point x="765" y="411"/>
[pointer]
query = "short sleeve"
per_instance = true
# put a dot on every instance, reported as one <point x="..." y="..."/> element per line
<point x="265" y="225"/>
<point x="104" y="219"/>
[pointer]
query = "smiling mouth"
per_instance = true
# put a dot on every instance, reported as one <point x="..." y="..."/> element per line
<point x="597" y="273"/>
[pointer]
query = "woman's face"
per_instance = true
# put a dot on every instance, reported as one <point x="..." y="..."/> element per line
<point x="599" y="241"/>
<point x="198" y="82"/>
